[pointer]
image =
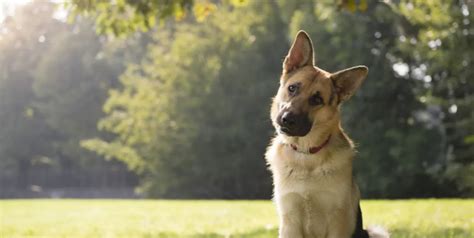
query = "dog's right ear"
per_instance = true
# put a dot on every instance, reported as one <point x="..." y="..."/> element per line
<point x="347" y="81"/>
<point x="300" y="54"/>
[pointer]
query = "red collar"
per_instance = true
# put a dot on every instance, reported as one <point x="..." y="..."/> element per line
<point x="312" y="150"/>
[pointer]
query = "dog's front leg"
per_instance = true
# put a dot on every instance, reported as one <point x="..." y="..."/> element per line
<point x="291" y="215"/>
<point x="290" y="227"/>
<point x="341" y="226"/>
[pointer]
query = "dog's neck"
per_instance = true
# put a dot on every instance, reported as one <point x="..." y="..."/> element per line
<point x="318" y="140"/>
<point x="312" y="150"/>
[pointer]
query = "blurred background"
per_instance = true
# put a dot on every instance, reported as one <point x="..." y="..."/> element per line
<point x="170" y="99"/>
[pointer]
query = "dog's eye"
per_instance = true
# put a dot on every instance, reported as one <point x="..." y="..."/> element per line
<point x="316" y="99"/>
<point x="292" y="88"/>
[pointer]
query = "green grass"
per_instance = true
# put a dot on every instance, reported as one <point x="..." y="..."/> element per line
<point x="207" y="218"/>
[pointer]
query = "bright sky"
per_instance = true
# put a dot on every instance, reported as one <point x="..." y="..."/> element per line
<point x="7" y="7"/>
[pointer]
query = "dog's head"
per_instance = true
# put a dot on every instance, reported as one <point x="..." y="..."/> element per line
<point x="308" y="98"/>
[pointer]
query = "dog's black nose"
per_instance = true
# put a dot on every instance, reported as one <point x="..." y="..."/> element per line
<point x="292" y="124"/>
<point x="288" y="119"/>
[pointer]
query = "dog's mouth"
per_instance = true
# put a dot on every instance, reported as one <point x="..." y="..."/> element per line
<point x="296" y="131"/>
<point x="285" y="130"/>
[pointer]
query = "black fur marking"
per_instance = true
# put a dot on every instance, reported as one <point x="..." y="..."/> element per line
<point x="359" y="232"/>
<point x="291" y="171"/>
<point x="333" y="93"/>
<point x="316" y="99"/>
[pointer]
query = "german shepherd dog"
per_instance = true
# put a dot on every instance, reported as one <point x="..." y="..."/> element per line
<point x="311" y="156"/>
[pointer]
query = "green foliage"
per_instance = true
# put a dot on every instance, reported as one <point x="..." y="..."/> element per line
<point x="120" y="17"/>
<point x="189" y="114"/>
<point x="125" y="16"/>
<point x="21" y="123"/>
<point x="71" y="81"/>
<point x="114" y="150"/>
<point x="146" y="218"/>
<point x="209" y="92"/>
<point x="440" y="45"/>
<point x="194" y="111"/>
<point x="54" y="81"/>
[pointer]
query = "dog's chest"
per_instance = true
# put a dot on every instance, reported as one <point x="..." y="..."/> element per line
<point x="323" y="180"/>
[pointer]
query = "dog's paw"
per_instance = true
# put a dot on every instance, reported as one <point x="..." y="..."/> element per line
<point x="377" y="232"/>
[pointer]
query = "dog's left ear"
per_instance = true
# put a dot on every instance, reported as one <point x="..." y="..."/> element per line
<point x="347" y="81"/>
<point x="300" y="54"/>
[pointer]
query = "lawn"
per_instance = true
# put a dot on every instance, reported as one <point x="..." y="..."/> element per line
<point x="209" y="218"/>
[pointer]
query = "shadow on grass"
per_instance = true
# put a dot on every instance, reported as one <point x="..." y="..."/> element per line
<point x="455" y="232"/>
<point x="259" y="233"/>
<point x="272" y="233"/>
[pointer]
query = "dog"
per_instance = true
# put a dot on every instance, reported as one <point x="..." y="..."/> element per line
<point x="311" y="157"/>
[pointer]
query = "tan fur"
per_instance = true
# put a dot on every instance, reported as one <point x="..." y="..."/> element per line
<point x="315" y="194"/>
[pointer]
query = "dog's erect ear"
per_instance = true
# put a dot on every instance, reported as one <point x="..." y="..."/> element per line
<point x="300" y="54"/>
<point x="347" y="81"/>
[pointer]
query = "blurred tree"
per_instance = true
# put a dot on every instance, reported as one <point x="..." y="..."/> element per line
<point x="126" y="16"/>
<point x="54" y="80"/>
<point x="190" y="113"/>
<point x="22" y="43"/>
<point x="71" y="84"/>
<point x="188" y="116"/>
<point x="180" y="119"/>
<point x="438" y="39"/>
<point x="123" y="17"/>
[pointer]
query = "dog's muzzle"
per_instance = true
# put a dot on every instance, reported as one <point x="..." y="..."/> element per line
<point x="292" y="124"/>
